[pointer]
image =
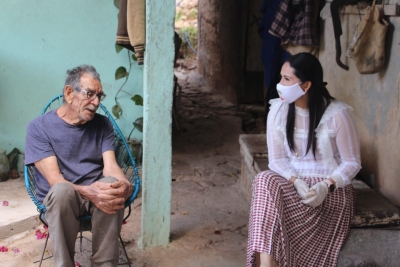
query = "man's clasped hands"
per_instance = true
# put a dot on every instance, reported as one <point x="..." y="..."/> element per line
<point x="108" y="197"/>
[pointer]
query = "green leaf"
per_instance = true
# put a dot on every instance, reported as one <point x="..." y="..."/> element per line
<point x="137" y="99"/>
<point x="121" y="73"/>
<point x="117" y="3"/>
<point x="134" y="57"/>
<point x="118" y="48"/>
<point x="116" y="111"/>
<point x="138" y="123"/>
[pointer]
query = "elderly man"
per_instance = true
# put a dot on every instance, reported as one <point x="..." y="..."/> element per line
<point x="76" y="171"/>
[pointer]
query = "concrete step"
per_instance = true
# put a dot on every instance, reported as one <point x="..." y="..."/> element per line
<point x="20" y="215"/>
<point x="367" y="247"/>
<point x="355" y="260"/>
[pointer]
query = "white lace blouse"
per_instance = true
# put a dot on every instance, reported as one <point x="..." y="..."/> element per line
<point x="338" y="150"/>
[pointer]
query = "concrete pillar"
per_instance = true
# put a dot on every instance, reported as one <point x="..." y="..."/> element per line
<point x="158" y="83"/>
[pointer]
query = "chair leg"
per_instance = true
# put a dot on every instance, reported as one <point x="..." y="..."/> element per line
<point x="44" y="249"/>
<point x="126" y="254"/>
<point x="80" y="240"/>
<point x="80" y="243"/>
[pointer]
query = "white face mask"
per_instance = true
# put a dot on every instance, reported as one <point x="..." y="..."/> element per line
<point x="289" y="94"/>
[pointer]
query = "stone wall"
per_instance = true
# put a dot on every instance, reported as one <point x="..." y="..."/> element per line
<point x="375" y="99"/>
<point x="229" y="48"/>
<point x="221" y="39"/>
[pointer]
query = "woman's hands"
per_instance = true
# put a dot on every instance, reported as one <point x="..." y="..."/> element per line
<point x="319" y="191"/>
<point x="313" y="196"/>
<point x="303" y="190"/>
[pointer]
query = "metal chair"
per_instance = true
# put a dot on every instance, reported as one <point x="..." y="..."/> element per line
<point x="124" y="159"/>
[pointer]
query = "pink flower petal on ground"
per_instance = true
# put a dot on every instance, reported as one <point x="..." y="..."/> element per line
<point x="3" y="249"/>
<point x="5" y="203"/>
<point x="40" y="235"/>
<point x="15" y="250"/>
<point x="77" y="264"/>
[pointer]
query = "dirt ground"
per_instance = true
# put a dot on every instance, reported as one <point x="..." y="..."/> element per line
<point x="209" y="215"/>
<point x="186" y="12"/>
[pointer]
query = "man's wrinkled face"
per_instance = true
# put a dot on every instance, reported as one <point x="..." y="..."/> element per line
<point x="84" y="105"/>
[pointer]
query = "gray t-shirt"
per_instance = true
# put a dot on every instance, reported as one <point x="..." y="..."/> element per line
<point x="78" y="148"/>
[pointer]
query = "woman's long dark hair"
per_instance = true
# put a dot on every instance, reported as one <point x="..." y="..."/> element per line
<point x="308" y="68"/>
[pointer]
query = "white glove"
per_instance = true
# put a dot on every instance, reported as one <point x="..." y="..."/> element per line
<point x="302" y="188"/>
<point x="320" y="191"/>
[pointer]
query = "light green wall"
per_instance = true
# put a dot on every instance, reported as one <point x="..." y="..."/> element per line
<point x="39" y="41"/>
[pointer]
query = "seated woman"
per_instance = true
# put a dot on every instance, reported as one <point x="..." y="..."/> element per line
<point x="302" y="207"/>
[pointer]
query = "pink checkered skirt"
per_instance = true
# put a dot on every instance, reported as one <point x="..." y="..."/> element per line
<point x="294" y="233"/>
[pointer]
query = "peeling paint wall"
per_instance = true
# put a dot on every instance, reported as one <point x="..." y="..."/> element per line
<point x="221" y="42"/>
<point x="39" y="41"/>
<point x="229" y="48"/>
<point x="376" y="102"/>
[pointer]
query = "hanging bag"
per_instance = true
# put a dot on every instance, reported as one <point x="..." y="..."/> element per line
<point x="368" y="46"/>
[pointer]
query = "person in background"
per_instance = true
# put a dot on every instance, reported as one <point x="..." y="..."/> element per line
<point x="72" y="150"/>
<point x="302" y="207"/>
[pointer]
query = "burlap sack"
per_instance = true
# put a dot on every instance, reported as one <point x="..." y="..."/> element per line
<point x="368" y="46"/>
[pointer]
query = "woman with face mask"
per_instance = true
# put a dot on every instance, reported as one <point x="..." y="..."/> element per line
<point x="302" y="207"/>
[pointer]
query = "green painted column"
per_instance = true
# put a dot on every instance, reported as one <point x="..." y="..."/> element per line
<point x="157" y="150"/>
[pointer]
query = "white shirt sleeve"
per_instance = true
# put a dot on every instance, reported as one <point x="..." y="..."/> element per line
<point x="278" y="160"/>
<point x="348" y="146"/>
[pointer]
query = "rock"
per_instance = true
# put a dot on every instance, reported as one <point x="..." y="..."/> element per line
<point x="14" y="174"/>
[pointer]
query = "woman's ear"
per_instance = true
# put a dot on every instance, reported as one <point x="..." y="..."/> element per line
<point x="306" y="86"/>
